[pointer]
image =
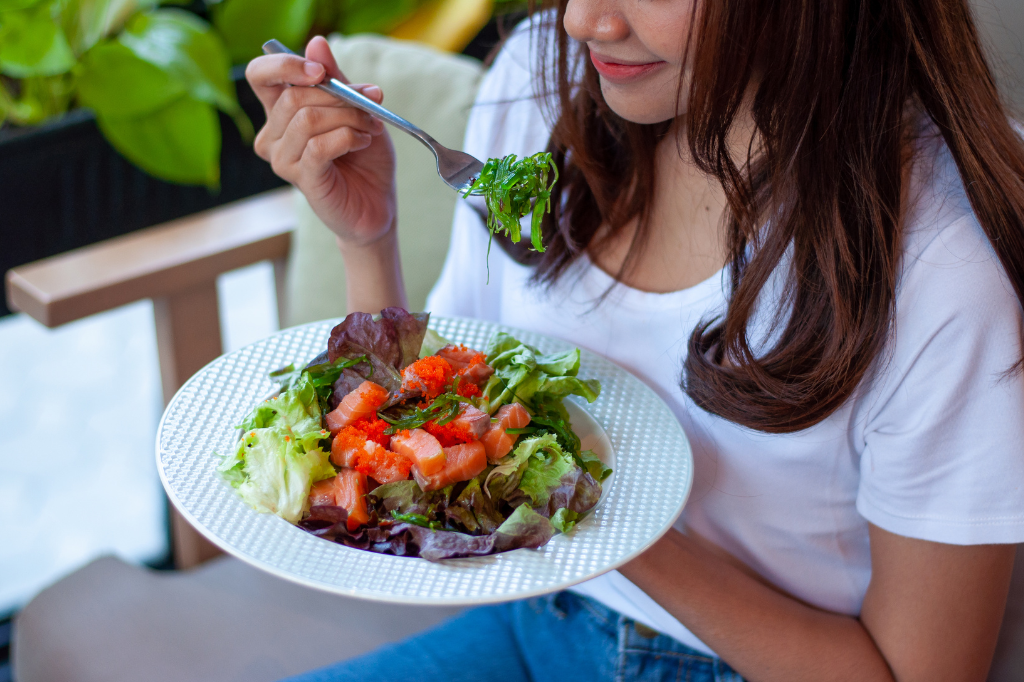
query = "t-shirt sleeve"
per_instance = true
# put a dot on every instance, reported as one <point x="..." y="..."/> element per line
<point x="943" y="438"/>
<point x="507" y="118"/>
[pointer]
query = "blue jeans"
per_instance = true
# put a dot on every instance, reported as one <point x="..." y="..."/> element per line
<point x="561" y="637"/>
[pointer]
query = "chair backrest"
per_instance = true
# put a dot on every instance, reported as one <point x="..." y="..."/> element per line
<point x="1001" y="24"/>
<point x="434" y="90"/>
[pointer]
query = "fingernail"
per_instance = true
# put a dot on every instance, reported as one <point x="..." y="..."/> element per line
<point x="313" y="69"/>
<point x="372" y="91"/>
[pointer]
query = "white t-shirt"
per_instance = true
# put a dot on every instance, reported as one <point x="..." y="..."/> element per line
<point x="930" y="446"/>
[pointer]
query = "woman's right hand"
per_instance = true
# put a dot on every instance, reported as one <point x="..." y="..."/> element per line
<point x="339" y="157"/>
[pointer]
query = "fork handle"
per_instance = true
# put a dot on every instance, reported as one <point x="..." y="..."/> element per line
<point x="359" y="101"/>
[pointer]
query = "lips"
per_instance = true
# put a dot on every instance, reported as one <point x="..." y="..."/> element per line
<point x="620" y="72"/>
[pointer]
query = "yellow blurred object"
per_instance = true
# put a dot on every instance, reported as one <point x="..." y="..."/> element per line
<point x="446" y="24"/>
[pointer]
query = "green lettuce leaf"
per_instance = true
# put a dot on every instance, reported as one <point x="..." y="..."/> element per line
<point x="297" y="409"/>
<point x="506" y="475"/>
<point x="432" y="342"/>
<point x="277" y="472"/>
<point x="544" y="471"/>
<point x="522" y="373"/>
<point x="594" y="466"/>
<point x="279" y="455"/>
<point x="564" y="520"/>
<point x="526" y="523"/>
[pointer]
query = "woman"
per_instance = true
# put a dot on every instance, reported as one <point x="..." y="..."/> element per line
<point x="763" y="214"/>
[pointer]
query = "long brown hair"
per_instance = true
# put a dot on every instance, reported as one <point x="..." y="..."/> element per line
<point x="826" y="183"/>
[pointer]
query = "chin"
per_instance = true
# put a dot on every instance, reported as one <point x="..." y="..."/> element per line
<point x="639" y="105"/>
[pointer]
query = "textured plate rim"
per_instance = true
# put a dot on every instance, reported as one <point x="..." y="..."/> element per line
<point x="494" y="598"/>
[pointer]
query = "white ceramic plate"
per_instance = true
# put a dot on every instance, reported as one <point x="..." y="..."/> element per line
<point x="629" y="426"/>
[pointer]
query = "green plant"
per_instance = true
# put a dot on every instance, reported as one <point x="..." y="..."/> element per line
<point x="155" y="78"/>
<point x="246" y="24"/>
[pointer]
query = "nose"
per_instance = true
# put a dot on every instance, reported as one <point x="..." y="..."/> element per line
<point x="599" y="21"/>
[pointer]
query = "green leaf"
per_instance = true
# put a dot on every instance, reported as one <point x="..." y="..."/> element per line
<point x="86" y="22"/>
<point x="40" y="97"/>
<point x="277" y="472"/>
<point x="179" y="143"/>
<point x="593" y="465"/>
<point x="526" y="522"/>
<point x="9" y="5"/>
<point x="432" y="342"/>
<point x="33" y="44"/>
<point x="564" y="520"/>
<point x="378" y="16"/>
<point x="115" y="83"/>
<point x="246" y="24"/>
<point x="544" y="473"/>
<point x="184" y="46"/>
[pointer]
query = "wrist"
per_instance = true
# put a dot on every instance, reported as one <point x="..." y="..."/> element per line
<point x="373" y="273"/>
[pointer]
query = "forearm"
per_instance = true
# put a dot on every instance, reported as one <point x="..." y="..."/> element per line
<point x="373" y="274"/>
<point x="763" y="634"/>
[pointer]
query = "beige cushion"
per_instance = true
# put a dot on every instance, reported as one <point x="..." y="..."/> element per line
<point x="434" y="90"/>
<point x="223" y="621"/>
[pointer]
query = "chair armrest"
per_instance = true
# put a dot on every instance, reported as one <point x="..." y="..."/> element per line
<point x="154" y="262"/>
<point x="175" y="264"/>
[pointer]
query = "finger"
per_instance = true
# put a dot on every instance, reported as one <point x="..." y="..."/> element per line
<point x="322" y="150"/>
<point x="369" y="90"/>
<point x="318" y="50"/>
<point x="311" y="122"/>
<point x="270" y="74"/>
<point x="290" y="103"/>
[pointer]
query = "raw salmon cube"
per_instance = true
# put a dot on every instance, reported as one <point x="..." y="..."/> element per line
<point x="497" y="443"/>
<point x="381" y="464"/>
<point x="348" y="490"/>
<point x="462" y="462"/>
<point x="429" y="376"/>
<point x="362" y="402"/>
<point x="473" y="421"/>
<point x="420" y="447"/>
<point x="347" y="446"/>
<point x="513" y="416"/>
<point x="322" y="494"/>
<point x="467" y="363"/>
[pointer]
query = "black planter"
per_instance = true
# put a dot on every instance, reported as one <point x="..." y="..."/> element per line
<point x="63" y="186"/>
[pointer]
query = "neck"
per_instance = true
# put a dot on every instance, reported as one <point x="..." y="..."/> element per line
<point x="685" y="234"/>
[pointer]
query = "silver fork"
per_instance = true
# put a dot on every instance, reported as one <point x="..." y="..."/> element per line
<point x="456" y="168"/>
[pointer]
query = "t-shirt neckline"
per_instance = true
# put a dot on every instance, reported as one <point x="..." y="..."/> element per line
<point x="599" y="281"/>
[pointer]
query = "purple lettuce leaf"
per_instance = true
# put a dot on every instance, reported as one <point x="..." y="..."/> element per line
<point x="390" y="343"/>
<point x="395" y="338"/>
<point x="524" y="528"/>
<point x="577" y="491"/>
<point x="410" y="329"/>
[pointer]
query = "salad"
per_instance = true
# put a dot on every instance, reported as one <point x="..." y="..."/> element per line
<point x="396" y="441"/>
<point x="513" y="187"/>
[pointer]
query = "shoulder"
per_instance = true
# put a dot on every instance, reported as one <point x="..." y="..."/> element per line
<point x="950" y="271"/>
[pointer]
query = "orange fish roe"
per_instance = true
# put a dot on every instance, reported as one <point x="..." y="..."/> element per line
<point x="449" y="434"/>
<point x="370" y="428"/>
<point x="467" y="389"/>
<point x="383" y="466"/>
<point x="430" y="375"/>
